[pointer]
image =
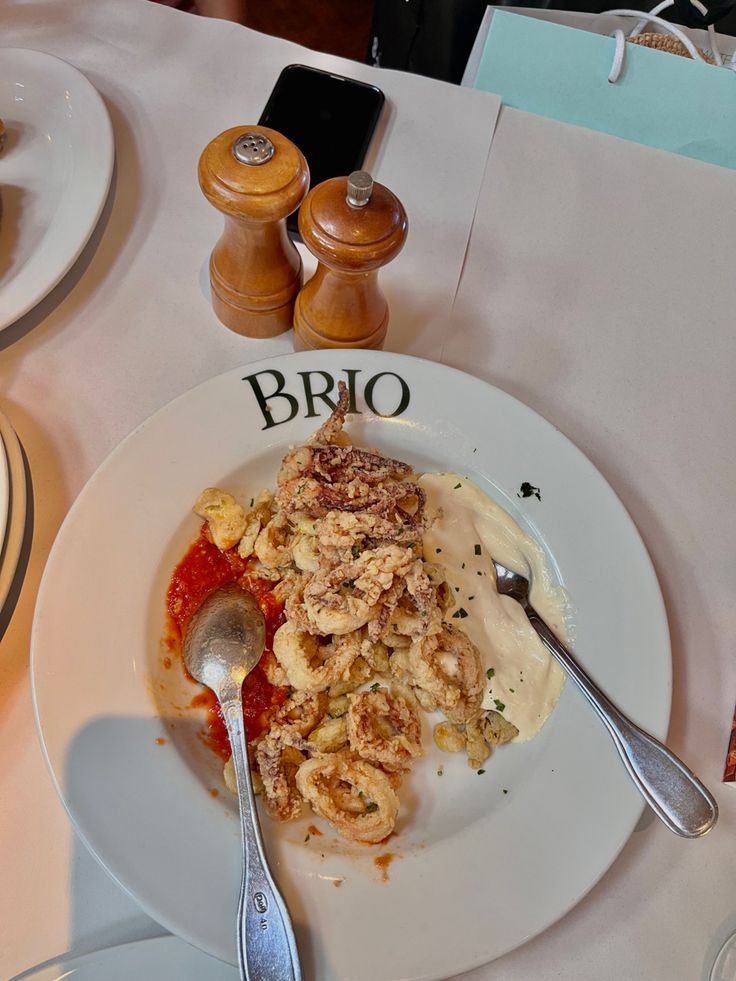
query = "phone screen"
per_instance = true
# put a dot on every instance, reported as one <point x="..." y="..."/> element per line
<point x="330" y="118"/>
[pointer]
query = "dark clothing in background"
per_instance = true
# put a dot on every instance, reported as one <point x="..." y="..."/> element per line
<point x="434" y="37"/>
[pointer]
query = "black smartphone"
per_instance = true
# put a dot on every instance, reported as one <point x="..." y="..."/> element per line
<point x="330" y="118"/>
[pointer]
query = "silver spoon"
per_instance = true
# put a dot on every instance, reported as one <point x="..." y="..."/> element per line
<point x="673" y="792"/>
<point x="223" y="644"/>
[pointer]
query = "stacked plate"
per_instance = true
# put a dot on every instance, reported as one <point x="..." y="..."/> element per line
<point x="12" y="505"/>
<point x="55" y="173"/>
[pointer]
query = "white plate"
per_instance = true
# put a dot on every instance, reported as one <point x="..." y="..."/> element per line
<point x="480" y="871"/>
<point x="10" y="549"/>
<point x="55" y="172"/>
<point x="158" y="959"/>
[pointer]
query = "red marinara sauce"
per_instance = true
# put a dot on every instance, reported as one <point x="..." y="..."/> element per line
<point x="203" y="569"/>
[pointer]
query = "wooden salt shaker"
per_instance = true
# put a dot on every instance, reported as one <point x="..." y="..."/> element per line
<point x="256" y="177"/>
<point x="353" y="226"/>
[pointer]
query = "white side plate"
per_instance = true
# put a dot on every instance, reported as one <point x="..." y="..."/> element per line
<point x="161" y="958"/>
<point x="55" y="172"/>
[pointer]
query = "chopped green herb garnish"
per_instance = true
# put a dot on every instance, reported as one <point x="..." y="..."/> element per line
<point x="371" y="807"/>
<point x="356" y="550"/>
<point x="438" y="550"/>
<point x="529" y="490"/>
<point x="375" y="686"/>
<point x="440" y="771"/>
<point x="499" y="705"/>
<point x="252" y="501"/>
<point x="456" y="486"/>
<point x="349" y="583"/>
<point x="306" y="839"/>
<point x="513" y="690"/>
<point x="477" y="549"/>
<point x="460" y="614"/>
<point x="490" y="673"/>
<point x="505" y="791"/>
<point x="480" y="771"/>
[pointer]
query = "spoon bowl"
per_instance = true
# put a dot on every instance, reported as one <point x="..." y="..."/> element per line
<point x="225" y="639"/>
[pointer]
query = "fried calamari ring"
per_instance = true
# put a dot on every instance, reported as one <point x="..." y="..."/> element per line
<point x="311" y="666"/>
<point x="447" y="665"/>
<point x="353" y="795"/>
<point x="272" y="544"/>
<point x="302" y="711"/>
<point x="383" y="728"/>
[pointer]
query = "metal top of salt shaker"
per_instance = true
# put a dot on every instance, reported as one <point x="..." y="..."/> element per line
<point x="360" y="188"/>
<point x="253" y="149"/>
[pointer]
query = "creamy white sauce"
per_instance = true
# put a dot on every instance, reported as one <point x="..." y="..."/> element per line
<point x="526" y="681"/>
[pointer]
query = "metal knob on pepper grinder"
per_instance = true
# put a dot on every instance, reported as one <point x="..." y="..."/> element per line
<point x="353" y="226"/>
<point x="256" y="178"/>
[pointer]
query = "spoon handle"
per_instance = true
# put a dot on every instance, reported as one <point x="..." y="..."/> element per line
<point x="267" y="949"/>
<point x="673" y="792"/>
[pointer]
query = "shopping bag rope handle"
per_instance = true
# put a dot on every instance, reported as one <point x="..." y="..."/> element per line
<point x="699" y="7"/>
<point x="652" y="17"/>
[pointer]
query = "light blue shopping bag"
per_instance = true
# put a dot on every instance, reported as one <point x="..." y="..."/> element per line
<point x="659" y="99"/>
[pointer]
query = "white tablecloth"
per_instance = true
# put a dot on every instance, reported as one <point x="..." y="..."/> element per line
<point x="598" y="287"/>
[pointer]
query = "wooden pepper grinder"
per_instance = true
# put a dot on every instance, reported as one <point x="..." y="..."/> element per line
<point x="256" y="177"/>
<point x="353" y="226"/>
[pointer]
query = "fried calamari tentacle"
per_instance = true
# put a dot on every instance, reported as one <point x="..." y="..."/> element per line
<point x="344" y="599"/>
<point x="343" y="464"/>
<point x="383" y="728"/>
<point x="353" y="795"/>
<point x="279" y="754"/>
<point x="316" y="496"/>
<point x="310" y="665"/>
<point x="329" y="429"/>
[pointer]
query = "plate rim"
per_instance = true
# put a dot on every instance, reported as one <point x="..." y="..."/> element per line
<point x="5" y="497"/>
<point x="659" y="613"/>
<point x="162" y="942"/>
<point x="106" y="149"/>
<point x="11" y="548"/>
